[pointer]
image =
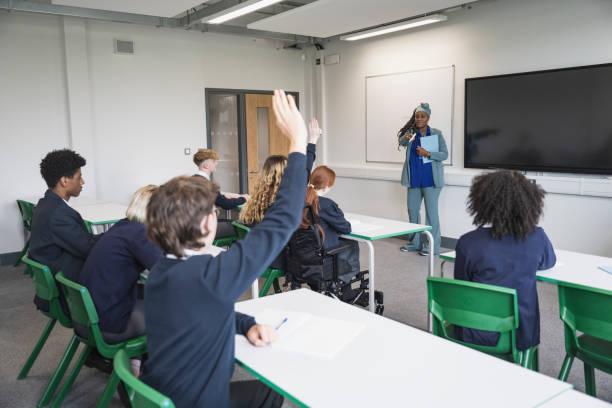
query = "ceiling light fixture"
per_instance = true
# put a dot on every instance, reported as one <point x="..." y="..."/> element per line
<point x="434" y="18"/>
<point x="238" y="10"/>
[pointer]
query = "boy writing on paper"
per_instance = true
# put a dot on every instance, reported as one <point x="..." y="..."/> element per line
<point x="190" y="294"/>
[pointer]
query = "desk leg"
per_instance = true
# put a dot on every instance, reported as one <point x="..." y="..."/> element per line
<point x="431" y="273"/>
<point x="370" y="268"/>
<point x="255" y="289"/>
<point x="442" y="268"/>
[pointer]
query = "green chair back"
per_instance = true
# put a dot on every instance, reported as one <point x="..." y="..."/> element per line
<point x="240" y="229"/>
<point x="26" y="209"/>
<point x="586" y="310"/>
<point x="27" y="212"/>
<point x="476" y="306"/>
<point x="45" y="288"/>
<point x="141" y="395"/>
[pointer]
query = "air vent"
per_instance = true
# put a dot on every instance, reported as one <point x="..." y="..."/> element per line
<point x="124" y="47"/>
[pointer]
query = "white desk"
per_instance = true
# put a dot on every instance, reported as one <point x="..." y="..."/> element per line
<point x="387" y="365"/>
<point x="571" y="267"/>
<point x="575" y="399"/>
<point x="367" y="229"/>
<point x="101" y="213"/>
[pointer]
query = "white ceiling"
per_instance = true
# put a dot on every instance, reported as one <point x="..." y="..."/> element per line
<point x="327" y="18"/>
<point x="161" y="8"/>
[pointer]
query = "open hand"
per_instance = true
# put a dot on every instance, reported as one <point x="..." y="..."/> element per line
<point x="259" y="335"/>
<point x="290" y="121"/>
<point x="314" y="131"/>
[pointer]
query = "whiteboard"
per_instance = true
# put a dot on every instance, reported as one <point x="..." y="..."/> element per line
<point x="390" y="100"/>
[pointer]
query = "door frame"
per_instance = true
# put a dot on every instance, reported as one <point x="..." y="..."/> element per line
<point x="241" y="106"/>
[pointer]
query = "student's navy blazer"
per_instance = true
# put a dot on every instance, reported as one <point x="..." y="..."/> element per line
<point x="332" y="222"/>
<point x="225" y="202"/>
<point x="59" y="239"/>
<point x="112" y="270"/>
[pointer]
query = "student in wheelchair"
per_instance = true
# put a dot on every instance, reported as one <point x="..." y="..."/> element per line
<point x="317" y="256"/>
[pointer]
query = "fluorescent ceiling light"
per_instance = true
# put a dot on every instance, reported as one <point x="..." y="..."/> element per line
<point x="238" y="10"/>
<point x="434" y="18"/>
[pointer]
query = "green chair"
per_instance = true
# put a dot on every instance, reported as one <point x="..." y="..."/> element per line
<point x="483" y="307"/>
<point x="46" y="289"/>
<point x="85" y="316"/>
<point x="141" y="395"/>
<point x="271" y="274"/>
<point x="224" y="242"/>
<point x="27" y="212"/>
<point x="589" y="311"/>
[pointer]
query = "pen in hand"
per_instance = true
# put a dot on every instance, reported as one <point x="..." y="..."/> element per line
<point x="281" y="323"/>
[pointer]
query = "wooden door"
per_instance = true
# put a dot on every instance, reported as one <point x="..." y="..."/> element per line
<point x="263" y="137"/>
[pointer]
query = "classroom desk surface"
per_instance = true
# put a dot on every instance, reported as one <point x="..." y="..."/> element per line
<point x="366" y="229"/>
<point x="101" y="213"/>
<point x="571" y="267"/>
<point x="388" y="364"/>
<point x="575" y="399"/>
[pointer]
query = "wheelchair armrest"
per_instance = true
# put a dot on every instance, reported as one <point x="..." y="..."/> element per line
<point x="337" y="249"/>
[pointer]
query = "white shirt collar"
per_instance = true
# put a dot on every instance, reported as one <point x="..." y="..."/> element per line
<point x="204" y="174"/>
<point x="212" y="250"/>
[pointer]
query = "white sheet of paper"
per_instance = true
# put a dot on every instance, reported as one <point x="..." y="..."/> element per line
<point x="308" y="334"/>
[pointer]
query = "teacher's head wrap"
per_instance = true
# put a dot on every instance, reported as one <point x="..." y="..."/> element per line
<point x="423" y="107"/>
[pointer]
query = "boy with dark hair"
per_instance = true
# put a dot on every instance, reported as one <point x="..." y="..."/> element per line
<point x="60" y="238"/>
<point x="190" y="294"/>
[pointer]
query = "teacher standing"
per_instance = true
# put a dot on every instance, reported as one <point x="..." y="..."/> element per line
<point x="424" y="180"/>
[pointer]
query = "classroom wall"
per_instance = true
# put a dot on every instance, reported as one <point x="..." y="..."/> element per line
<point x="494" y="37"/>
<point x="131" y="116"/>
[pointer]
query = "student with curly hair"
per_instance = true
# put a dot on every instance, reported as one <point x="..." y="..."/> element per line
<point x="60" y="238"/>
<point x="507" y="249"/>
<point x="266" y="186"/>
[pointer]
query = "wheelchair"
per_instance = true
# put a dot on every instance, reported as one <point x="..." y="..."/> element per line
<point x="333" y="272"/>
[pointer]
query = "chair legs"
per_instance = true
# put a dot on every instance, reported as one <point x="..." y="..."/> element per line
<point x="566" y="367"/>
<point x="589" y="379"/>
<point x="39" y="345"/>
<point x="109" y="391"/>
<point x="59" y="373"/>
<point x="73" y="374"/>
<point x="529" y="358"/>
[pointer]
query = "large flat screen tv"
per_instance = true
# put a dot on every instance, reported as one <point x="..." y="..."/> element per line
<point x="554" y="121"/>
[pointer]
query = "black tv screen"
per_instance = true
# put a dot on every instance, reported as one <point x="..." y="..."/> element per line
<point x="554" y="121"/>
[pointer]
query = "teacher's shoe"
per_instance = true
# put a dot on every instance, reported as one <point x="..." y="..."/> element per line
<point x="409" y="247"/>
<point x="425" y="252"/>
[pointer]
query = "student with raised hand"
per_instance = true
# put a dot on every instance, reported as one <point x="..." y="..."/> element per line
<point x="190" y="294"/>
<point x="59" y="237"/>
<point x="113" y="268"/>
<point x="506" y="249"/>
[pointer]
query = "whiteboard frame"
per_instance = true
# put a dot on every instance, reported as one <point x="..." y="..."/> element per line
<point x="452" y="119"/>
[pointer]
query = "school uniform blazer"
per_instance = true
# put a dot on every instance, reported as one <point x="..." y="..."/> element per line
<point x="223" y="201"/>
<point x="332" y="222"/>
<point x="189" y="303"/>
<point x="112" y="270"/>
<point x="437" y="158"/>
<point x="60" y="238"/>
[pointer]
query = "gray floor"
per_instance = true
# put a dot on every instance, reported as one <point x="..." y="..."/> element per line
<point x="400" y="275"/>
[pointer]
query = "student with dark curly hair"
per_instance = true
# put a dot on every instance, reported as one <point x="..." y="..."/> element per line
<point x="60" y="238"/>
<point x="507" y="249"/>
